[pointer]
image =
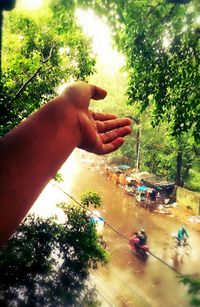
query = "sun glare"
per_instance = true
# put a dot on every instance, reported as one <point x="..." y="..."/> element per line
<point x="197" y="20"/>
<point x="45" y="205"/>
<point x="30" y="4"/>
<point x="166" y="42"/>
<point x="101" y="38"/>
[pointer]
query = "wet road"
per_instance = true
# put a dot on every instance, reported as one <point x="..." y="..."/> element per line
<point x="125" y="280"/>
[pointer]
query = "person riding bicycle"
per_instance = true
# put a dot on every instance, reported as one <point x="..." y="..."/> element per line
<point x="182" y="235"/>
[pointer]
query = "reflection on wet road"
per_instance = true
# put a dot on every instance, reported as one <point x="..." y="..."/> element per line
<point x="125" y="280"/>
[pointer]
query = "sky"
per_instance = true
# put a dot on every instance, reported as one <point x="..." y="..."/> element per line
<point x="95" y="28"/>
<point x="100" y="35"/>
<point x="30" y="4"/>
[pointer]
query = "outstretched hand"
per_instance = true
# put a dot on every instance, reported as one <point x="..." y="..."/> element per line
<point x="43" y="142"/>
<point x="100" y="133"/>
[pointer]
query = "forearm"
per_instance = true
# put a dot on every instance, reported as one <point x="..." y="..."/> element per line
<point x="30" y="156"/>
<point x="32" y="153"/>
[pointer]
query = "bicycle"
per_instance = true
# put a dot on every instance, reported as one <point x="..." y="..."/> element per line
<point x="181" y="244"/>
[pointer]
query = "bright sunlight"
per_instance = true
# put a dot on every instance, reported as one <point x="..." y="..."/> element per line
<point x="101" y="38"/>
<point x="30" y="4"/>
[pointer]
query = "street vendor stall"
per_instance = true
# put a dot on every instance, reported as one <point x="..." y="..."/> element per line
<point x="141" y="194"/>
<point x="150" y="189"/>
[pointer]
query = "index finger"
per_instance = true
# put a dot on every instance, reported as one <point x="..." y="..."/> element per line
<point x="103" y="116"/>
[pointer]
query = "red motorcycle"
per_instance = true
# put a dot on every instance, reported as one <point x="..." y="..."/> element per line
<point x="140" y="251"/>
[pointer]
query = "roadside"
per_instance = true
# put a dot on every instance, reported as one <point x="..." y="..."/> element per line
<point x="124" y="275"/>
<point x="183" y="216"/>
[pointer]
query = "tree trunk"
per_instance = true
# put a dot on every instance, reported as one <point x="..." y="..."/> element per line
<point x="179" y="168"/>
<point x="138" y="138"/>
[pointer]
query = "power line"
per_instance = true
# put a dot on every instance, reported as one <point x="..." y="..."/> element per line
<point x="105" y="299"/>
<point x="165" y="263"/>
<point x="118" y="232"/>
<point x="114" y="291"/>
<point x="102" y="295"/>
<point x="110" y="226"/>
<point x="136" y="295"/>
<point x="139" y="297"/>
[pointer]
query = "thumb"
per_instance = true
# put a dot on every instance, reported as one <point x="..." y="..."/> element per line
<point x="97" y="93"/>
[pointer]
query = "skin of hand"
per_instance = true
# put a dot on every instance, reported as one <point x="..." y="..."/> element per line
<point x="33" y="152"/>
<point x="100" y="133"/>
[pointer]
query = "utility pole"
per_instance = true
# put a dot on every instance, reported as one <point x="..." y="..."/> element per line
<point x="138" y="138"/>
<point x="138" y="141"/>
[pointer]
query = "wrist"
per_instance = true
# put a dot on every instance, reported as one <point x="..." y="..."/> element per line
<point x="66" y="118"/>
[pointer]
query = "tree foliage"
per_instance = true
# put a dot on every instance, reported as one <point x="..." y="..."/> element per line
<point x="91" y="198"/>
<point x="193" y="288"/>
<point x="40" y="53"/>
<point x="158" y="150"/>
<point x="160" y="40"/>
<point x="47" y="264"/>
<point x="161" y="43"/>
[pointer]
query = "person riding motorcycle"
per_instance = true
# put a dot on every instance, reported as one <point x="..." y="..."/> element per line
<point x="142" y="239"/>
<point x="141" y="235"/>
<point x="138" y="244"/>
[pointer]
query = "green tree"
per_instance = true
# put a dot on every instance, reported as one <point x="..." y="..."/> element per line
<point x="46" y="263"/>
<point x="163" y="155"/>
<point x="193" y="289"/>
<point x="40" y="53"/>
<point x="158" y="151"/>
<point x="91" y="198"/>
<point x="161" y="43"/>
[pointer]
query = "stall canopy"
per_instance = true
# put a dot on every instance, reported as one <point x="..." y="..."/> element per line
<point x="123" y="167"/>
<point x="152" y="181"/>
<point x="142" y="188"/>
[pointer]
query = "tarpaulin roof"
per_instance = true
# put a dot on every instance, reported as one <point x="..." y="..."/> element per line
<point x="151" y="180"/>
<point x="123" y="166"/>
<point x="142" y="188"/>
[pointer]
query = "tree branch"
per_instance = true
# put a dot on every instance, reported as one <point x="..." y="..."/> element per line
<point x="152" y="9"/>
<point x="35" y="73"/>
<point x="196" y="151"/>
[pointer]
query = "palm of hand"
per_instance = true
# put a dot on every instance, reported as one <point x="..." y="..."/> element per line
<point x="102" y="133"/>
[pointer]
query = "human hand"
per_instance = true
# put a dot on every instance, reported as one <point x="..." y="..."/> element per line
<point x="99" y="133"/>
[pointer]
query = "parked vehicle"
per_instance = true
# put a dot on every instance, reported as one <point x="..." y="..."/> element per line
<point x="140" y="196"/>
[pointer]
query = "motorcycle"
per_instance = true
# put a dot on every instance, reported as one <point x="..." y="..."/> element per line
<point x="140" y="251"/>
